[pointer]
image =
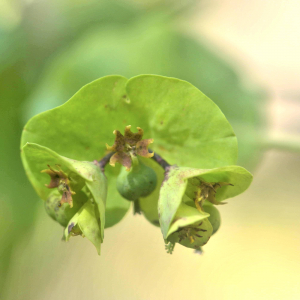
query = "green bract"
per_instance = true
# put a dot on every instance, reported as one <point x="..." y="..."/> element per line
<point x="179" y="207"/>
<point x="214" y="216"/>
<point x="86" y="223"/>
<point x="188" y="129"/>
<point x="85" y="179"/>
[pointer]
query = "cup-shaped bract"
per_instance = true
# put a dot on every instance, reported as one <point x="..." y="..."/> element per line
<point x="214" y="216"/>
<point x="86" y="222"/>
<point x="190" y="227"/>
<point x="179" y="190"/>
<point x="85" y="179"/>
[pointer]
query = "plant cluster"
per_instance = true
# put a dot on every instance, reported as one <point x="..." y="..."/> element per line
<point x="88" y="186"/>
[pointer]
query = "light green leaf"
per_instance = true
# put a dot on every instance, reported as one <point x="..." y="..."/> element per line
<point x="148" y="205"/>
<point x="214" y="215"/>
<point x="239" y="178"/>
<point x="177" y="183"/>
<point x="170" y="198"/>
<point x="64" y="129"/>
<point x="88" y="222"/>
<point x="36" y="158"/>
<point x="185" y="216"/>
<point x="187" y="127"/>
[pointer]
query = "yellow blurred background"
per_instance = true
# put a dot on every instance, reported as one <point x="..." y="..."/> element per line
<point x="255" y="254"/>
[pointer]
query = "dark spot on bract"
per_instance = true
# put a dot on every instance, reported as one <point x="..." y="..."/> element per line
<point x="70" y="227"/>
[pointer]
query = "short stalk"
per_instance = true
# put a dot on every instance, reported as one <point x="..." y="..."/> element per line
<point x="105" y="160"/>
<point x="136" y="207"/>
<point x="157" y="158"/>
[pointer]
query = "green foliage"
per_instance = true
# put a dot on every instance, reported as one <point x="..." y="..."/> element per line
<point x="86" y="223"/>
<point x="179" y="117"/>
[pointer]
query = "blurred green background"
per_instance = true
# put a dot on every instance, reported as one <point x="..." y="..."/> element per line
<point x="49" y="49"/>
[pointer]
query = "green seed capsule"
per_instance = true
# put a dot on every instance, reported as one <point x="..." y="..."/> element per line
<point x="63" y="214"/>
<point x="193" y="236"/>
<point x="139" y="182"/>
<point x="214" y="218"/>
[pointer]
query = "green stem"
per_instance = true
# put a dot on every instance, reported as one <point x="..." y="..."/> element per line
<point x="135" y="167"/>
<point x="136" y="207"/>
<point x="164" y="164"/>
<point x="105" y="160"/>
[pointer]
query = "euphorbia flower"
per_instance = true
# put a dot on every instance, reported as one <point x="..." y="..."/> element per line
<point x="86" y="178"/>
<point x="182" y="216"/>
<point x="168" y="109"/>
<point x="61" y="181"/>
<point x="128" y="146"/>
